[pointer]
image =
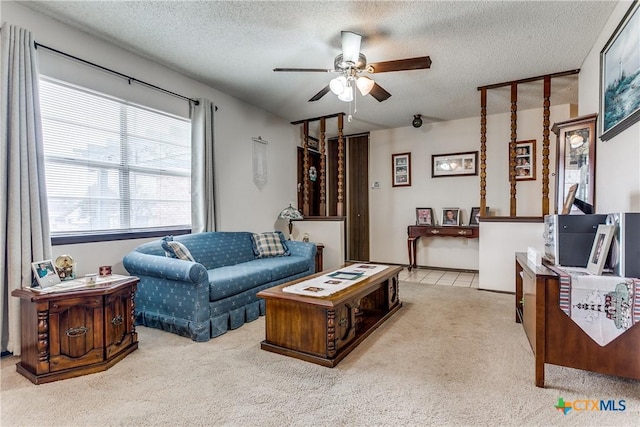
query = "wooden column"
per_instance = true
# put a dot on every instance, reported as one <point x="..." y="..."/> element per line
<point x="545" y="145"/>
<point x="323" y="166"/>
<point x="305" y="170"/>
<point x="340" y="204"/>
<point x="483" y="151"/>
<point x="512" y="148"/>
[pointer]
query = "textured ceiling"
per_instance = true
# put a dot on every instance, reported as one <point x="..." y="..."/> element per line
<point x="234" y="46"/>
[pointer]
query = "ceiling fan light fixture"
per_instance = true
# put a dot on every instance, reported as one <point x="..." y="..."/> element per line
<point x="346" y="95"/>
<point x="338" y="85"/>
<point x="365" y="84"/>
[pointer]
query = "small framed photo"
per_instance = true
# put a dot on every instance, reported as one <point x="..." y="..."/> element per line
<point x="568" y="201"/>
<point x="475" y="214"/>
<point x="401" y="169"/>
<point x="45" y="273"/>
<point x="424" y="216"/>
<point x="313" y="143"/>
<point x="454" y="164"/>
<point x="526" y="160"/>
<point x="600" y="249"/>
<point x="451" y="216"/>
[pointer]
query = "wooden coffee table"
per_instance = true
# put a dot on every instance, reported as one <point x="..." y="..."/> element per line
<point x="324" y="330"/>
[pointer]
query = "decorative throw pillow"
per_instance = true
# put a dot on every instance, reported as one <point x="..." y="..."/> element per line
<point x="270" y="244"/>
<point x="173" y="249"/>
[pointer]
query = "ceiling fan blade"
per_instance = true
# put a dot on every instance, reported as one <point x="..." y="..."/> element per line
<point x="350" y="46"/>
<point x="320" y="94"/>
<point x="379" y="93"/>
<point x="419" y="63"/>
<point x="306" y="70"/>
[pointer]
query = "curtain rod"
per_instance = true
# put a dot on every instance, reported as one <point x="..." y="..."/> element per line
<point x="124" y="76"/>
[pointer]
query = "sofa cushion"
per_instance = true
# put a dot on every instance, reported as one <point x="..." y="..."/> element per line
<point x="270" y="244"/>
<point x="283" y="267"/>
<point x="231" y="280"/>
<point x="174" y="249"/>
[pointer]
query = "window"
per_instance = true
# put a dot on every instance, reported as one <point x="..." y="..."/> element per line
<point x="112" y="168"/>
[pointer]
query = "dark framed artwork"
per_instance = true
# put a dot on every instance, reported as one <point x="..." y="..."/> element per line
<point x="454" y="164"/>
<point x="424" y="216"/>
<point x="401" y="169"/>
<point x="620" y="76"/>
<point x="526" y="160"/>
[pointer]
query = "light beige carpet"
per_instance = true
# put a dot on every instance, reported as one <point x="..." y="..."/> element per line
<point x="450" y="356"/>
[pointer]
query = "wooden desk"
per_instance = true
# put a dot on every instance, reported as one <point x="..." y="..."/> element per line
<point x="556" y="339"/>
<point x="414" y="232"/>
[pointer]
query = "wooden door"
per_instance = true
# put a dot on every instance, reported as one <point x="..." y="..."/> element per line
<point x="358" y="198"/>
<point x="118" y="309"/>
<point x="75" y="332"/>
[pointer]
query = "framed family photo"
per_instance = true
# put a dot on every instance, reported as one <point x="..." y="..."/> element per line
<point x="454" y="164"/>
<point x="451" y="216"/>
<point x="45" y="273"/>
<point x="401" y="169"/>
<point x="424" y="216"/>
<point x="526" y="160"/>
<point x="600" y="249"/>
<point x="619" y="76"/>
<point x="475" y="214"/>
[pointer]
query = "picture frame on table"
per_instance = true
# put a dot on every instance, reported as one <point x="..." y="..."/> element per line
<point x="526" y="160"/>
<point x="454" y="164"/>
<point x="450" y="216"/>
<point x="568" y="201"/>
<point x="475" y="213"/>
<point x="600" y="249"/>
<point x="401" y="169"/>
<point x="619" y="76"/>
<point x="45" y="273"/>
<point x="424" y="216"/>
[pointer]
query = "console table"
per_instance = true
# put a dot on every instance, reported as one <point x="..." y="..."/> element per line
<point x="76" y="332"/>
<point x="414" y="232"/>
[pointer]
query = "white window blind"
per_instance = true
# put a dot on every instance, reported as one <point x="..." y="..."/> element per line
<point x="113" y="167"/>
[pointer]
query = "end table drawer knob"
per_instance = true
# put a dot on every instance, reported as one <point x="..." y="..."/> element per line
<point x="117" y="320"/>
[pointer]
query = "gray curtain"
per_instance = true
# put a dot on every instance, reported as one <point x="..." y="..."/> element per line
<point x="203" y="214"/>
<point x="24" y="214"/>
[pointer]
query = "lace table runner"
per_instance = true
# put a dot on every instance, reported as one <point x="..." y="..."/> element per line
<point x="335" y="281"/>
<point x="602" y="306"/>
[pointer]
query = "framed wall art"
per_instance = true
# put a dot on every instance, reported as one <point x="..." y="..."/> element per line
<point x="401" y="169"/>
<point x="451" y="216"/>
<point x="454" y="164"/>
<point x="620" y="76"/>
<point x="526" y="160"/>
<point x="424" y="216"/>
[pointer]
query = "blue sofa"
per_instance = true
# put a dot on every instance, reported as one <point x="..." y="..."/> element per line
<point x="217" y="292"/>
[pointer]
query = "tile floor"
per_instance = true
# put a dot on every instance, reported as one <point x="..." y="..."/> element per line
<point x="440" y="277"/>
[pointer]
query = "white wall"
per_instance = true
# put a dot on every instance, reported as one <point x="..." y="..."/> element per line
<point x="241" y="205"/>
<point x="617" y="160"/>
<point x="392" y="209"/>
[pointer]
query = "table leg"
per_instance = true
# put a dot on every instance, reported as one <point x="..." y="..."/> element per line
<point x="409" y="252"/>
<point x="415" y="254"/>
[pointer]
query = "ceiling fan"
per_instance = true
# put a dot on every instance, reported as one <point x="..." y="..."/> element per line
<point x="351" y="64"/>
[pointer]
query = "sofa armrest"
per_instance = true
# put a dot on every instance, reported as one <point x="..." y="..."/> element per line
<point x="140" y="264"/>
<point x="304" y="249"/>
